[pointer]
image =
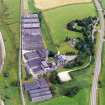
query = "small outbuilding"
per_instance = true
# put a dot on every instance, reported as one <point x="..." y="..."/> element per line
<point x="64" y="76"/>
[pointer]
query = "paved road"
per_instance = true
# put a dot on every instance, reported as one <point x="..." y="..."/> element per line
<point x="93" y="96"/>
<point x="20" y="57"/>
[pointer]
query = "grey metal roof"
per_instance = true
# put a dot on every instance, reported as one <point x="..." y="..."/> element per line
<point x="41" y="94"/>
<point x="41" y="98"/>
<point x="31" y="25"/>
<point x="29" y="31"/>
<point x="42" y="52"/>
<point x="31" y="46"/>
<point x="30" y="21"/>
<point x="34" y="63"/>
<point x="31" y="55"/>
<point x="37" y="69"/>
<point x="38" y="90"/>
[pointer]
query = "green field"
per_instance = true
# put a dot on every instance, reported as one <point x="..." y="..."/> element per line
<point x="102" y="79"/>
<point x="57" y="19"/>
<point x="9" y="26"/>
<point x="103" y="3"/>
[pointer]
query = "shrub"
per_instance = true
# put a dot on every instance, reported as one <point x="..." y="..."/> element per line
<point x="72" y="92"/>
<point x="6" y="74"/>
<point x="51" y="54"/>
<point x="54" y="78"/>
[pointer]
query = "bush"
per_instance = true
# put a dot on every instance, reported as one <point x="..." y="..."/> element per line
<point x="67" y="39"/>
<point x="54" y="78"/>
<point x="70" y="53"/>
<point x="72" y="92"/>
<point x="15" y="83"/>
<point x="52" y="88"/>
<point x="7" y="97"/>
<point x="77" y="62"/>
<point x="51" y="54"/>
<point x="6" y="74"/>
<point x="86" y="24"/>
<point x="99" y="84"/>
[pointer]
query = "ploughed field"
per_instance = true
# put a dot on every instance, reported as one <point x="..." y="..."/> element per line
<point x="48" y="4"/>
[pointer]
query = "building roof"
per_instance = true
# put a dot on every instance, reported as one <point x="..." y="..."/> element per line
<point x="30" y="31"/>
<point x="31" y="55"/>
<point x="64" y="76"/>
<point x="34" y="63"/>
<point x="31" y="25"/>
<point x="31" y="16"/>
<point x="30" y="21"/>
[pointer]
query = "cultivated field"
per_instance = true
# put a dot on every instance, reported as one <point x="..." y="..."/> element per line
<point x="48" y="4"/>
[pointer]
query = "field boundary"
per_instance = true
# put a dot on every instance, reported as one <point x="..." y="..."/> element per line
<point x="48" y="31"/>
<point x="62" y="5"/>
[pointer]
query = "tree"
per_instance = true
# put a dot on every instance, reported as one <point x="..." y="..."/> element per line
<point x="6" y="74"/>
<point x="51" y="54"/>
<point x="72" y="92"/>
<point x="67" y="39"/>
<point x="99" y="84"/>
<point x="54" y="78"/>
<point x="15" y="83"/>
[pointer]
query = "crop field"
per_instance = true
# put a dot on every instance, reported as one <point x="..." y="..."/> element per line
<point x="48" y="4"/>
<point x="57" y="19"/>
<point x="9" y="26"/>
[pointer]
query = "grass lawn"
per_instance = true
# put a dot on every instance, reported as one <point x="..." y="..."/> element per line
<point x="103" y="3"/>
<point x="9" y="26"/>
<point x="102" y="78"/>
<point x="57" y="19"/>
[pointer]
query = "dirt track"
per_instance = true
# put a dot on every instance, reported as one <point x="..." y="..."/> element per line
<point x="47" y="4"/>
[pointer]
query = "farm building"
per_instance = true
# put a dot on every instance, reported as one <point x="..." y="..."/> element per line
<point x="64" y="76"/>
<point x="38" y="90"/>
<point x="34" y="53"/>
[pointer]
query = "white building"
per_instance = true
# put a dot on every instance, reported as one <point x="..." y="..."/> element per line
<point x="64" y="76"/>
